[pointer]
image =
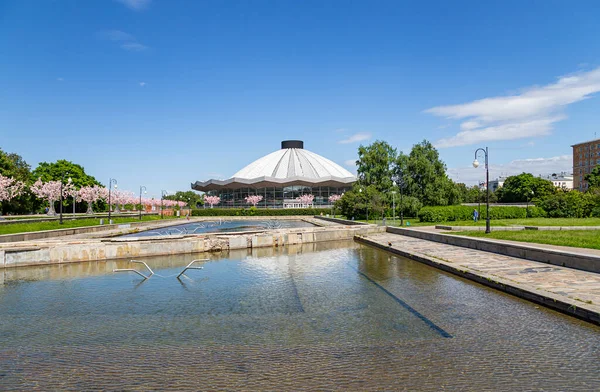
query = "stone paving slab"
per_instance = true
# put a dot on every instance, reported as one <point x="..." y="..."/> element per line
<point x="577" y="290"/>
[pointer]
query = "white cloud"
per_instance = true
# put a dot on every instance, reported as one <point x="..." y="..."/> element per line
<point x="531" y="113"/>
<point x="134" y="46"/>
<point x="60" y="79"/>
<point x="128" y="41"/>
<point x="350" y="162"/>
<point x="357" y="137"/>
<point x="136" y="5"/>
<point x="142" y="84"/>
<point x="116" y="35"/>
<point x="535" y="166"/>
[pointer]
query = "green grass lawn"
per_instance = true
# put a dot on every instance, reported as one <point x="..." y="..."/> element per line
<point x="391" y="222"/>
<point x="530" y="222"/>
<point x="14" y="228"/>
<point x="499" y="222"/>
<point x="577" y="238"/>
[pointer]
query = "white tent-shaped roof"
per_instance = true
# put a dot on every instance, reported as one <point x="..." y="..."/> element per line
<point x="292" y="165"/>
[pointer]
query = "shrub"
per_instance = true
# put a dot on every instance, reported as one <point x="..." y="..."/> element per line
<point x="571" y="204"/>
<point x="259" y="211"/>
<point x="465" y="213"/>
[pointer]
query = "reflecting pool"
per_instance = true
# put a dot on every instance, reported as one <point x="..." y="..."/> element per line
<point x="223" y="226"/>
<point x="331" y="316"/>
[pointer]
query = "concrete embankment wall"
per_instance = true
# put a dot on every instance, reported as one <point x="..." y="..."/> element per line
<point x="67" y="217"/>
<point x="116" y="248"/>
<point x="582" y="262"/>
<point x="339" y="220"/>
<point x="45" y="234"/>
<point x="516" y="228"/>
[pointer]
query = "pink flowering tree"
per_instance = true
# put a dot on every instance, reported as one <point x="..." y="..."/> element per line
<point x="212" y="200"/>
<point x="332" y="200"/>
<point x="49" y="191"/>
<point x="306" y="200"/>
<point x="103" y="193"/>
<point x="91" y="194"/>
<point x="9" y="189"/>
<point x="117" y="198"/>
<point x="72" y="191"/>
<point x="156" y="203"/>
<point x="254" y="199"/>
<point x="129" y="198"/>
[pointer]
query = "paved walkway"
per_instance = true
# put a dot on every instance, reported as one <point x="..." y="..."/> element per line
<point x="573" y="287"/>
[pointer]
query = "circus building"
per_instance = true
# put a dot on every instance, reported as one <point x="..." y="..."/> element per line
<point x="281" y="177"/>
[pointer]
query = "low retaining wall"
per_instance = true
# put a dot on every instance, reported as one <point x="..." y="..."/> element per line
<point x="550" y="256"/>
<point x="339" y="220"/>
<point x="45" y="234"/>
<point x="116" y="248"/>
<point x="67" y="216"/>
<point x="516" y="228"/>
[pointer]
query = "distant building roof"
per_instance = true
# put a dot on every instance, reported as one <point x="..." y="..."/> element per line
<point x="589" y="141"/>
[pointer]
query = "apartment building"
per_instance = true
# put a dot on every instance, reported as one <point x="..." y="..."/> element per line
<point x="562" y="180"/>
<point x="586" y="156"/>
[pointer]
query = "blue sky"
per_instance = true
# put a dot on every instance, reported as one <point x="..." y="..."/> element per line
<point x="163" y="93"/>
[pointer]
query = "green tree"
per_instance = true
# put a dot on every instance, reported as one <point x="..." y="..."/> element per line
<point x="13" y="165"/>
<point x="524" y="188"/>
<point x="593" y="178"/>
<point x="355" y="203"/>
<point x="192" y="198"/>
<point x="422" y="174"/>
<point x="55" y="170"/>
<point x="375" y="165"/>
<point x="567" y="204"/>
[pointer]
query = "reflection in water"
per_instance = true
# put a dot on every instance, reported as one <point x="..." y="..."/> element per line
<point x="328" y="315"/>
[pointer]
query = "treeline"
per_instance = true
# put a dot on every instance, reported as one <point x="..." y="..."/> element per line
<point x="386" y="177"/>
<point x="14" y="166"/>
<point x="410" y="181"/>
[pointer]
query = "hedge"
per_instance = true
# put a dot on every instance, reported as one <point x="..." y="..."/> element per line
<point x="259" y="211"/>
<point x="465" y="213"/>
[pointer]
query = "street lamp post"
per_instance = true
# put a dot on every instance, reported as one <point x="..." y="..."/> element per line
<point x="394" y="202"/>
<point x="162" y="195"/>
<point x="360" y="190"/>
<point x="110" y="182"/>
<point x="528" y="201"/>
<point x="401" y="203"/>
<point x="74" y="197"/>
<point x="62" y="179"/>
<point x="479" y="199"/>
<point x="487" y="185"/>
<point x="145" y="191"/>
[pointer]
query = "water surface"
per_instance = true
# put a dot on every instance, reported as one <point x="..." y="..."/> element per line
<point x="223" y="226"/>
<point x="332" y="316"/>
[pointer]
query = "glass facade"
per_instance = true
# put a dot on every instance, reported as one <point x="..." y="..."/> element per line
<point x="276" y="197"/>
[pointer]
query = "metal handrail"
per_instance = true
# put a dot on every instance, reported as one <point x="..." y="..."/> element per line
<point x="189" y="266"/>
<point x="136" y="271"/>
<point x="143" y="262"/>
<point x="132" y="270"/>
